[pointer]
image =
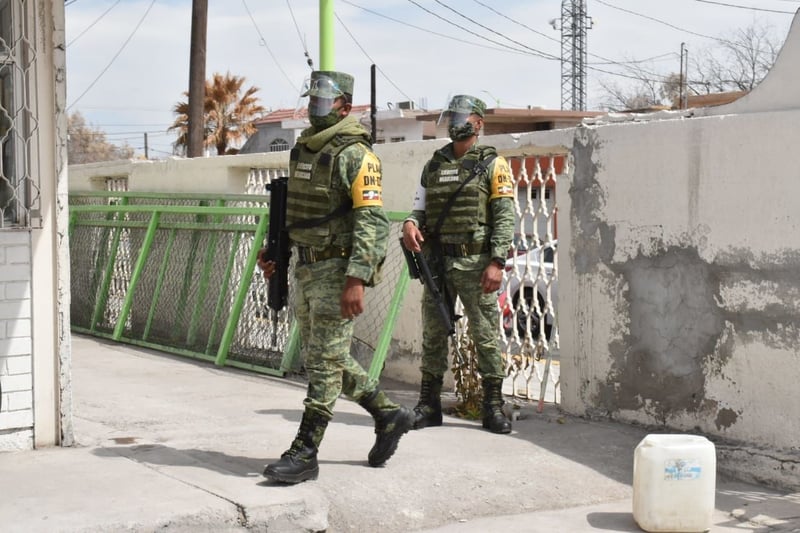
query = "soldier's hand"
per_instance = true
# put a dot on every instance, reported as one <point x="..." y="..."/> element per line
<point x="267" y="267"/>
<point x="412" y="237"/>
<point x="491" y="278"/>
<point x="352" y="300"/>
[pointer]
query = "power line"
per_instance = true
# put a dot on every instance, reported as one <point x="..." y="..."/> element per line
<point x="115" y="56"/>
<point x="518" y="22"/>
<point x="746" y="7"/>
<point x="538" y="53"/>
<point x="89" y="27"/>
<point x="504" y="49"/>
<point x="648" y="17"/>
<point x="431" y="32"/>
<point x="264" y="42"/>
<point x="302" y="39"/>
<point x="371" y="60"/>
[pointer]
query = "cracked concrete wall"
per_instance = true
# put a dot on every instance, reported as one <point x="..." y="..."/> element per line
<point x="681" y="306"/>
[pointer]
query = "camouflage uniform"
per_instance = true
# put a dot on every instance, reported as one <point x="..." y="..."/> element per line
<point x="464" y="273"/>
<point x="333" y="170"/>
<point x="326" y="335"/>
<point x="477" y="229"/>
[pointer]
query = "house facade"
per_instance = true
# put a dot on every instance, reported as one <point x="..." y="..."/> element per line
<point x="34" y="256"/>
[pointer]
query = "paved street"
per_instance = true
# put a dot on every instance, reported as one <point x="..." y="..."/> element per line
<point x="169" y="444"/>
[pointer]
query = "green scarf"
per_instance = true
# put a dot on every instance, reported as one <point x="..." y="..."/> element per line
<point x="348" y="126"/>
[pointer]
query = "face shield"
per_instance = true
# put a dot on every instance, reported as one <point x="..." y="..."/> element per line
<point x="456" y="116"/>
<point x="457" y="113"/>
<point x="322" y="93"/>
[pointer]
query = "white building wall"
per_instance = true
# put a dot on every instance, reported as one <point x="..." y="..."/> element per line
<point x="16" y="377"/>
<point x="34" y="272"/>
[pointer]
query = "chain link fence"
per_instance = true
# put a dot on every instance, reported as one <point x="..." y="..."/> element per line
<point x="169" y="271"/>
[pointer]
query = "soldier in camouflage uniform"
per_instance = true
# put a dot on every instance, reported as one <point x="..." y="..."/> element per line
<point x="474" y="234"/>
<point x="339" y="232"/>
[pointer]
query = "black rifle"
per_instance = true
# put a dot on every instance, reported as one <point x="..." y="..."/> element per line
<point x="278" y="244"/>
<point x="418" y="268"/>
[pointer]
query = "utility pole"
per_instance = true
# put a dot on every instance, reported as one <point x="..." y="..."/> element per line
<point x="146" y="156"/>
<point x="197" y="78"/>
<point x="326" y="51"/>
<point x="683" y="98"/>
<point x="574" y="24"/>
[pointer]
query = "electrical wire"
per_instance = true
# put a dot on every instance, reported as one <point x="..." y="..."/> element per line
<point x="309" y="61"/>
<point x="648" y="17"/>
<point x="138" y="25"/>
<point x="371" y="60"/>
<point x="431" y="32"/>
<point x="264" y="42"/>
<point x="490" y="8"/>
<point x="504" y="49"/>
<point x="746" y="7"/>
<point x="89" y="27"/>
<point x="606" y="61"/>
<point x="538" y="53"/>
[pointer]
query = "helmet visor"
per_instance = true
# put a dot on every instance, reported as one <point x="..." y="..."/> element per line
<point x="457" y="112"/>
<point x="453" y="118"/>
<point x="324" y="87"/>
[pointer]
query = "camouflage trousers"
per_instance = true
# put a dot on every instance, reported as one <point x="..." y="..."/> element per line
<point x="326" y="337"/>
<point x="483" y="314"/>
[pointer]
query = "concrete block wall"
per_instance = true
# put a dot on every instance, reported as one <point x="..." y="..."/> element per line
<point x="16" y="378"/>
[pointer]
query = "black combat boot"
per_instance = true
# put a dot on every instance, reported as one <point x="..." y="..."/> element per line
<point x="493" y="418"/>
<point x="299" y="462"/>
<point x="428" y="411"/>
<point x="392" y="421"/>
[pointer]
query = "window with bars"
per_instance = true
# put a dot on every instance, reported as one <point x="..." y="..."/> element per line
<point x="19" y="185"/>
<point x="279" y="145"/>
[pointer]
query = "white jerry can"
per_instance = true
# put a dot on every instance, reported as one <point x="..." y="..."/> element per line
<point x="674" y="483"/>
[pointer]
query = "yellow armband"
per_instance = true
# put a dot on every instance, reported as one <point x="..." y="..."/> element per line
<point x="502" y="186"/>
<point x="366" y="190"/>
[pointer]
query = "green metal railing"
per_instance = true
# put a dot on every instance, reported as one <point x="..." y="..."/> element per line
<point x="177" y="273"/>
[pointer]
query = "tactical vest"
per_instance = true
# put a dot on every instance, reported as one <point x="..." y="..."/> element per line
<point x="312" y="193"/>
<point x="470" y="209"/>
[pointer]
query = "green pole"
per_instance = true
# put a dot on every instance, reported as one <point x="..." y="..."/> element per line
<point x="241" y="293"/>
<point x="102" y="296"/>
<point x="144" y="255"/>
<point x="223" y="291"/>
<point x="205" y="277"/>
<point x="379" y="357"/>
<point x="162" y="272"/>
<point x="326" y="35"/>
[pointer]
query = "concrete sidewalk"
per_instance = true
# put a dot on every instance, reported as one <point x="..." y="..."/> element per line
<point x="170" y="444"/>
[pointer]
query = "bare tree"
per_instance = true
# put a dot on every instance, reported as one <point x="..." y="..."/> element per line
<point x="738" y="62"/>
<point x="644" y="89"/>
<point x="86" y="144"/>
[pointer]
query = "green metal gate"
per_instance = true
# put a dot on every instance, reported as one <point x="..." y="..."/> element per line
<point x="178" y="273"/>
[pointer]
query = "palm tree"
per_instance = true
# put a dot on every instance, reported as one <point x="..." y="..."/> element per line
<point x="227" y="115"/>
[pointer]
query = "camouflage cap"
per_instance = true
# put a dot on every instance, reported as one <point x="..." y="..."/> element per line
<point x="329" y="84"/>
<point x="464" y="103"/>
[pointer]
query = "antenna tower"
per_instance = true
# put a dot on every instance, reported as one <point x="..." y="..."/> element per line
<point x="574" y="24"/>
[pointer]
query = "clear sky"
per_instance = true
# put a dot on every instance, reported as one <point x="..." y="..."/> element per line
<point x="128" y="60"/>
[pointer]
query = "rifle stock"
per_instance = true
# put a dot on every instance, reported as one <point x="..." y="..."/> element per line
<point x="418" y="268"/>
<point x="278" y="245"/>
